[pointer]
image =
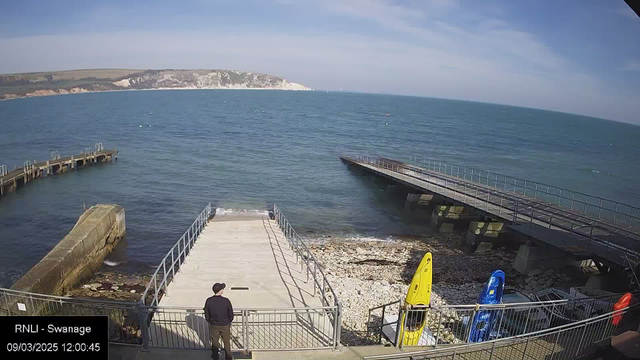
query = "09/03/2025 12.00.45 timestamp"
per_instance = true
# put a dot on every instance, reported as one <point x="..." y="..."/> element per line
<point x="52" y="347"/>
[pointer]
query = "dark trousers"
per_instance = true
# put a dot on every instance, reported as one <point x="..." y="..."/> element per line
<point x="224" y="331"/>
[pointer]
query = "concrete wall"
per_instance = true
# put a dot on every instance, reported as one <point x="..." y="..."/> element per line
<point x="79" y="254"/>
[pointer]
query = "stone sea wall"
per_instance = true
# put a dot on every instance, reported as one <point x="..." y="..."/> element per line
<point x="78" y="254"/>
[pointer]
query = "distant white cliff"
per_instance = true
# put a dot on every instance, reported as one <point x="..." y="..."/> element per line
<point x="76" y="81"/>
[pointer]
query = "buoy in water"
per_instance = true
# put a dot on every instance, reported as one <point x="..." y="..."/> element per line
<point x="386" y="124"/>
<point x="387" y="114"/>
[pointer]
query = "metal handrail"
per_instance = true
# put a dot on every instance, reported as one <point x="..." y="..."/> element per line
<point x="66" y="299"/>
<point x="321" y="283"/>
<point x="493" y="178"/>
<point x="140" y="320"/>
<point x="186" y="308"/>
<point x="612" y="228"/>
<point x="516" y="316"/>
<point x="303" y="252"/>
<point x="397" y="166"/>
<point x="608" y="297"/>
<point x="517" y="338"/>
<point x="517" y="212"/>
<point x="535" y="203"/>
<point x="177" y="254"/>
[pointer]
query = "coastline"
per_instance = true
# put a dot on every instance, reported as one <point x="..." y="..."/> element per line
<point x="164" y="88"/>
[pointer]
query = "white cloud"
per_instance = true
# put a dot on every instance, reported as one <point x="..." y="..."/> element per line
<point x="430" y="21"/>
<point x="632" y="65"/>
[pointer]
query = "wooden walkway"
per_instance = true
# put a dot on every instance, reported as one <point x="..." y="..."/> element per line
<point x="11" y="180"/>
<point x="583" y="235"/>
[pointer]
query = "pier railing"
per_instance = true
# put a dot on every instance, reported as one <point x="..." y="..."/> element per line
<point x="520" y="210"/>
<point x="124" y="317"/>
<point x="454" y="324"/>
<point x="186" y="327"/>
<point x="251" y="329"/>
<point x="171" y="262"/>
<point x="328" y="296"/>
<point x="569" y="341"/>
<point x="615" y="211"/>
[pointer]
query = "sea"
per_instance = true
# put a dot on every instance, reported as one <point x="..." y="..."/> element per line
<point x="244" y="150"/>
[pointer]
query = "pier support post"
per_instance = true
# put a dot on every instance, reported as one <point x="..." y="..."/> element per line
<point x="422" y="199"/>
<point x="532" y="257"/>
<point x="73" y="165"/>
<point x="449" y="218"/>
<point x="482" y="235"/>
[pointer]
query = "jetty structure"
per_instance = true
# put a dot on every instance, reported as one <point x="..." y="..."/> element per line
<point x="559" y="225"/>
<point x="31" y="170"/>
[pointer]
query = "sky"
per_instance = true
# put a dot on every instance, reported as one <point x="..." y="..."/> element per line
<point x="580" y="57"/>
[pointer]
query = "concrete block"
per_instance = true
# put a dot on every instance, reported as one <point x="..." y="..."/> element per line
<point x="484" y="247"/>
<point x="485" y="228"/>
<point x="420" y="199"/>
<point x="532" y="257"/>
<point x="455" y="218"/>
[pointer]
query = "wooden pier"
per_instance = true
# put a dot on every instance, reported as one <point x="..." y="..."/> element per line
<point x="12" y="180"/>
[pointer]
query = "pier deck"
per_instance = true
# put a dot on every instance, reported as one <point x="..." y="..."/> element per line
<point x="274" y="301"/>
<point x="242" y="252"/>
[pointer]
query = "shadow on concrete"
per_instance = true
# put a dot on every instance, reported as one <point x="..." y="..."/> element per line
<point x="200" y="325"/>
<point x="295" y="291"/>
<point x="313" y="322"/>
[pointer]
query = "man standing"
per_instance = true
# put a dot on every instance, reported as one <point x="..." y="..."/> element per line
<point x="219" y="314"/>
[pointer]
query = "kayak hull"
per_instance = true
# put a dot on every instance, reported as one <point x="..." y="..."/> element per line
<point x="419" y="294"/>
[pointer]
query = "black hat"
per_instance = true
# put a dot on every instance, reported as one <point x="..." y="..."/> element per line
<point x="217" y="287"/>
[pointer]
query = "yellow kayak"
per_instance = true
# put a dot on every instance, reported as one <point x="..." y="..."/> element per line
<point x="419" y="293"/>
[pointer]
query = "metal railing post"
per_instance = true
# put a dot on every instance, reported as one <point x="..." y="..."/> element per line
<point x="144" y="327"/>
<point x="245" y="329"/>
<point x="399" y="329"/>
<point x="553" y="350"/>
<point x="438" y="325"/>
<point x="164" y="275"/>
<point x="492" y="349"/>
<point x="526" y="346"/>
<point x="338" y="328"/>
<point x="581" y="338"/>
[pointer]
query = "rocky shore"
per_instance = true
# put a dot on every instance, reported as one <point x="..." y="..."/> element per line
<point x="112" y="285"/>
<point x="366" y="274"/>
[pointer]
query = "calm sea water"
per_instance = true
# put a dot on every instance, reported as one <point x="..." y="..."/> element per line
<point x="245" y="150"/>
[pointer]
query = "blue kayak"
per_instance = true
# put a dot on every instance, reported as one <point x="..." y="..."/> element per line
<point x="484" y="320"/>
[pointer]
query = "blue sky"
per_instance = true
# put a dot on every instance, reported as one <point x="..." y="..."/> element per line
<point x="575" y="56"/>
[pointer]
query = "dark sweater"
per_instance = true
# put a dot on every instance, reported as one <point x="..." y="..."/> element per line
<point x="218" y="311"/>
